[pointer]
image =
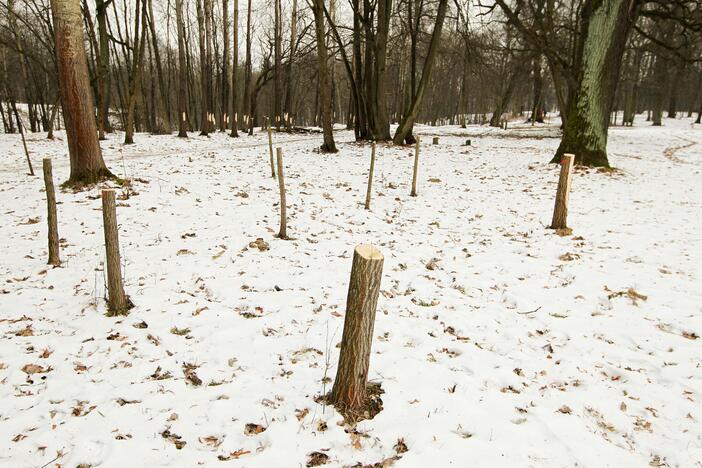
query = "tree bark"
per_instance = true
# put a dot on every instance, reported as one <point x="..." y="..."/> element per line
<point x="87" y="165"/>
<point x="404" y="130"/>
<point x="283" y="232"/>
<point x="370" y="177"/>
<point x="51" y="213"/>
<point x="560" y="209"/>
<point x="117" y="302"/>
<point x="413" y="193"/>
<point x="605" y="27"/>
<point x="349" y="394"/>
<point x="235" y="69"/>
<point x="329" y="146"/>
<point x="182" y="73"/>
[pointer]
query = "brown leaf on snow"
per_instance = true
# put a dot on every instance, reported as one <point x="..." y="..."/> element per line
<point x="260" y="244"/>
<point x="253" y="429"/>
<point x="45" y="353"/>
<point x="300" y="414"/>
<point x="34" y="369"/>
<point x="190" y="375"/>
<point x="27" y="331"/>
<point x="18" y="437"/>
<point x="212" y="441"/>
<point x="317" y="459"/>
<point x="400" y="446"/>
<point x="79" y="367"/>
<point x="690" y="335"/>
<point x="565" y="409"/>
<point x="175" y="438"/>
<point x="122" y="402"/>
<point x="233" y="455"/>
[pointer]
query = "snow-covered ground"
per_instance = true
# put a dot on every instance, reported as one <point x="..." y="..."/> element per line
<point x="497" y="342"/>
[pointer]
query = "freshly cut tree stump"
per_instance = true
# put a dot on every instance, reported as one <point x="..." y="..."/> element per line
<point x="117" y="301"/>
<point x="51" y="213"/>
<point x="560" y="210"/>
<point x="413" y="193"/>
<point x="370" y="176"/>
<point x="270" y="150"/>
<point x="350" y="394"/>
<point x="435" y="141"/>
<point x="283" y="232"/>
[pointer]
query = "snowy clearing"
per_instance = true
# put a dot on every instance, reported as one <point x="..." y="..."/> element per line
<point x="497" y="342"/>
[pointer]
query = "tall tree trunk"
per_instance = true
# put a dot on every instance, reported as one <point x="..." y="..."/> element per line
<point x="163" y="108"/>
<point x="381" y="122"/>
<point x="226" y="104"/>
<point x="287" y="108"/>
<point x="323" y="78"/>
<point x="605" y="27"/>
<point x="87" y="165"/>
<point x="277" y="63"/>
<point x="204" y="70"/>
<point x="136" y="69"/>
<point x="103" y="69"/>
<point x="234" y="121"/>
<point x="404" y="130"/>
<point x="247" y="73"/>
<point x="182" y="73"/>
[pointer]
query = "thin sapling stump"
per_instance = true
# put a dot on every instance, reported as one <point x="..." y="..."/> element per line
<point x="118" y="303"/>
<point x="560" y="210"/>
<point x="270" y="150"/>
<point x="351" y="394"/>
<point x="370" y="176"/>
<point x="51" y="213"/>
<point x="283" y="232"/>
<point x="413" y="193"/>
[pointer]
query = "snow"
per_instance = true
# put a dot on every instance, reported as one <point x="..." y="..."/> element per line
<point x="508" y="352"/>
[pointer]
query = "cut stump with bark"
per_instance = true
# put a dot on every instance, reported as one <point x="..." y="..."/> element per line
<point x="560" y="210"/>
<point x="270" y="151"/>
<point x="413" y="193"/>
<point x="51" y="213"/>
<point x="352" y="395"/>
<point x="118" y="303"/>
<point x="435" y="141"/>
<point x="283" y="232"/>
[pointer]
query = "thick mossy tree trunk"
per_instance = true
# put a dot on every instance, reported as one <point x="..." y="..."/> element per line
<point x="324" y="84"/>
<point x="87" y="165"/>
<point x="605" y="28"/>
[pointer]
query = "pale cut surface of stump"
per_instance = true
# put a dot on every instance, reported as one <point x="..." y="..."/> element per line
<point x="349" y="393"/>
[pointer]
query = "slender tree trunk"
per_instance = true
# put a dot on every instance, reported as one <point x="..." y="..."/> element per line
<point x="404" y="130"/>
<point x="136" y="69"/>
<point x="277" y="64"/>
<point x="87" y="165"/>
<point x="323" y="78"/>
<point x="226" y="77"/>
<point x="381" y="122"/>
<point x="163" y="109"/>
<point x="103" y="69"/>
<point x="235" y="76"/>
<point x="182" y="73"/>
<point x="248" y="72"/>
<point x="287" y="109"/>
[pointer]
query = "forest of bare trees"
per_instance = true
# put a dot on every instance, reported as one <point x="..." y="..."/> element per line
<point x="225" y="65"/>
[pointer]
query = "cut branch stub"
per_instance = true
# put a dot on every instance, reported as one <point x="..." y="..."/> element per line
<point x="117" y="301"/>
<point x="350" y="392"/>
<point x="560" y="210"/>
<point x="51" y="213"/>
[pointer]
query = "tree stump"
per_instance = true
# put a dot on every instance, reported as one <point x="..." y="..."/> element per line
<point x="370" y="176"/>
<point x="560" y="210"/>
<point x="435" y="141"/>
<point x="51" y="213"/>
<point x="350" y="394"/>
<point x="413" y="193"/>
<point x="283" y="232"/>
<point x="270" y="150"/>
<point x="117" y="301"/>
